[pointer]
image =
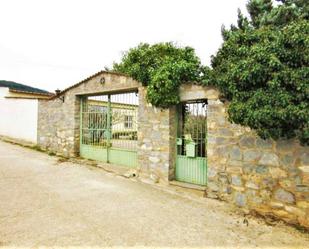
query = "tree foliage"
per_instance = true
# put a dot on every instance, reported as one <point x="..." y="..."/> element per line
<point x="162" y="68"/>
<point x="262" y="69"/>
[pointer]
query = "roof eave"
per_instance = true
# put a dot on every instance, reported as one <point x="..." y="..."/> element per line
<point x="34" y="93"/>
<point x="87" y="79"/>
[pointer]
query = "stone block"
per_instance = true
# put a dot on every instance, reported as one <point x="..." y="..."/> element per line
<point x="226" y="189"/>
<point x="211" y="139"/>
<point x="213" y="186"/>
<point x="287" y="161"/>
<point x="221" y="152"/>
<point x="156" y="135"/>
<point x="211" y="125"/>
<point x="252" y="185"/>
<point x="236" y="180"/>
<point x="212" y="172"/>
<point x="223" y="178"/>
<point x="262" y="169"/>
<point x="294" y="210"/>
<point x="235" y="153"/>
<point x="212" y="195"/>
<point x="264" y="143"/>
<point x="248" y="168"/>
<point x="287" y="183"/>
<point x="283" y="214"/>
<point x="304" y="221"/>
<point x="238" y="188"/>
<point x="220" y="120"/>
<point x="238" y="163"/>
<point x="304" y="169"/>
<point x="276" y="205"/>
<point x="284" y="146"/>
<point x="304" y="158"/>
<point x="225" y="132"/>
<point x="222" y="160"/>
<point x="217" y="108"/>
<point x="269" y="159"/>
<point x="265" y="194"/>
<point x="303" y="204"/>
<point x="257" y="200"/>
<point x="210" y="152"/>
<point x="277" y="173"/>
<point x="154" y="159"/>
<point x="240" y="199"/>
<point x="251" y="193"/>
<point x="302" y="188"/>
<point x="305" y="178"/>
<point x="221" y="140"/>
<point x="284" y="196"/>
<point x="146" y="147"/>
<point x="234" y="169"/>
<point x="247" y="141"/>
<point x="251" y="155"/>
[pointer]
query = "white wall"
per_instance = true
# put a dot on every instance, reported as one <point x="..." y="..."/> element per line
<point x="18" y="117"/>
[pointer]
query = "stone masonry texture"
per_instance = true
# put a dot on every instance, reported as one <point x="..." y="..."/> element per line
<point x="265" y="176"/>
<point x="269" y="177"/>
<point x="59" y="124"/>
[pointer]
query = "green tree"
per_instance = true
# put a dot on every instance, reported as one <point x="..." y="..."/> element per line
<point x="262" y="69"/>
<point x="162" y="68"/>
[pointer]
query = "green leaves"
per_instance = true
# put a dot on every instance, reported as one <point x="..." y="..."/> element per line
<point x="263" y="70"/>
<point x="162" y="68"/>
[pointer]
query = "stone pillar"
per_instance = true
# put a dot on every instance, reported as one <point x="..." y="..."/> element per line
<point x="155" y="139"/>
<point x="172" y="142"/>
<point x="219" y="142"/>
<point x="77" y="116"/>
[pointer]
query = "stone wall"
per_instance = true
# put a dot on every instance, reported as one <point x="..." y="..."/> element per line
<point x="59" y="124"/>
<point x="156" y="136"/>
<point x="55" y="127"/>
<point x="269" y="177"/>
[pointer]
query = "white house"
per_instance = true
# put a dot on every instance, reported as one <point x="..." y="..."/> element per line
<point x="19" y="110"/>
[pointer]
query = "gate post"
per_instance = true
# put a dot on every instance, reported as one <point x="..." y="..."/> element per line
<point x="81" y="123"/>
<point x="109" y="129"/>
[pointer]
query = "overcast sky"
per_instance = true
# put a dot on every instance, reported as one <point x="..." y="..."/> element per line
<point x="53" y="44"/>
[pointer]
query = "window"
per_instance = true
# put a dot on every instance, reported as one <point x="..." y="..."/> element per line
<point x="128" y="121"/>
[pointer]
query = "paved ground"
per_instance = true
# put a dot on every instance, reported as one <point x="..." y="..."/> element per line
<point x="47" y="203"/>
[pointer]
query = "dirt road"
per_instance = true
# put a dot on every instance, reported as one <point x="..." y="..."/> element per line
<point x="47" y="203"/>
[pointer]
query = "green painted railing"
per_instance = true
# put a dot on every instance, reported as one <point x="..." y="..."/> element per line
<point x="191" y="170"/>
<point x="191" y="158"/>
<point x="108" y="129"/>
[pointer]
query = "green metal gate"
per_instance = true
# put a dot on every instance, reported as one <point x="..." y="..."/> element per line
<point x="191" y="161"/>
<point x="109" y="128"/>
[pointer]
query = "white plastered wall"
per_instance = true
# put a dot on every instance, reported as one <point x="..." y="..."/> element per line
<point x="18" y="117"/>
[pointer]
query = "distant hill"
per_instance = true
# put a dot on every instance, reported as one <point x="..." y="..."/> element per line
<point x="20" y="87"/>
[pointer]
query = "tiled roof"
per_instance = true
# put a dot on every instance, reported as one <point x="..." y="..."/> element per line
<point x="17" y="87"/>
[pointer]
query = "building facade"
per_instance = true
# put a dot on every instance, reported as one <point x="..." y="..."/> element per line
<point x="19" y="110"/>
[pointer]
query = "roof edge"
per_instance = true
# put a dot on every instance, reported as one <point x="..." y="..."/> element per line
<point x="28" y="92"/>
<point x="87" y="79"/>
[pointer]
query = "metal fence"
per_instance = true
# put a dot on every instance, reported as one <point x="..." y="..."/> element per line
<point x="109" y="128"/>
<point x="191" y="161"/>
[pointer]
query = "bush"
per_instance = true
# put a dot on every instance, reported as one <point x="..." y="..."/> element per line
<point x="162" y="68"/>
<point x="262" y="69"/>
